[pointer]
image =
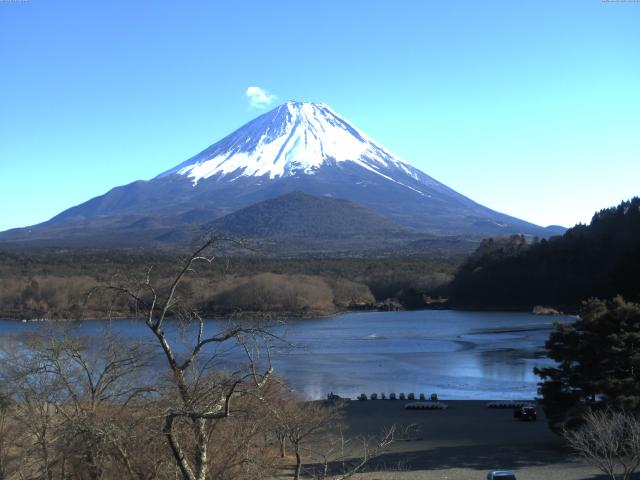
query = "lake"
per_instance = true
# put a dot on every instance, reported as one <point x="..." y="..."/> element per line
<point x="456" y="354"/>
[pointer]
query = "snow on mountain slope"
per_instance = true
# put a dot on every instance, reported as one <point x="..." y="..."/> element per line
<point x="296" y="147"/>
<point x="294" y="138"/>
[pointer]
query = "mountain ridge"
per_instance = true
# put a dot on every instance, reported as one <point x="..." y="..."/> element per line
<point x="296" y="147"/>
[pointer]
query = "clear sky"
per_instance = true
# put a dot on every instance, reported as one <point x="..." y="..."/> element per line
<point x="530" y="108"/>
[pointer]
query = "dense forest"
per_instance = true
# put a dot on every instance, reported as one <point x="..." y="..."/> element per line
<point x="54" y="284"/>
<point x="601" y="260"/>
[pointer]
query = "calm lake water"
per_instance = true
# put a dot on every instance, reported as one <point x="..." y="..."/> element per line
<point x="456" y="354"/>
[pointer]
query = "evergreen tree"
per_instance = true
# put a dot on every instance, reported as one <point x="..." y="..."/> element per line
<point x="598" y="260"/>
<point x="598" y="360"/>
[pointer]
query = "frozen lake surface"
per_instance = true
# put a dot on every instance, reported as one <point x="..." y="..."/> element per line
<point x="456" y="354"/>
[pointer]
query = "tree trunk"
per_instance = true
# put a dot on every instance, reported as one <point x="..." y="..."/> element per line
<point x="283" y="447"/>
<point x="298" y="466"/>
<point x="178" y="454"/>
<point x="45" y="458"/>
<point x="200" y="431"/>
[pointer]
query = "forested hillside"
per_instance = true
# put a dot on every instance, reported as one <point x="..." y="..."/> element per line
<point x="601" y="259"/>
<point x="55" y="284"/>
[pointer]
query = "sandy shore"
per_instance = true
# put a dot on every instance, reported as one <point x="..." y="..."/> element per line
<point x="464" y="442"/>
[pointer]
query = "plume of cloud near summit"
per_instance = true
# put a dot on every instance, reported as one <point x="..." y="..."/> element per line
<point x="259" y="97"/>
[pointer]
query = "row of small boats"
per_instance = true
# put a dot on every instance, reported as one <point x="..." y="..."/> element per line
<point x="392" y="396"/>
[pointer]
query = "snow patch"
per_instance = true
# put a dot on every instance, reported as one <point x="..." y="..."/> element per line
<point x="295" y="138"/>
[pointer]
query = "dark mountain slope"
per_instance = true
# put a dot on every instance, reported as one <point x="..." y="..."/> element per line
<point x="301" y="215"/>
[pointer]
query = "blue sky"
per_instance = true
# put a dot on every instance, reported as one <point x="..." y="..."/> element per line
<point x="531" y="108"/>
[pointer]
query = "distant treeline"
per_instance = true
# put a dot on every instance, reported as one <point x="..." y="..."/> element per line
<point x="55" y="284"/>
<point x="597" y="260"/>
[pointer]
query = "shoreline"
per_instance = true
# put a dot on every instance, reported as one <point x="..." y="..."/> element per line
<point x="283" y="315"/>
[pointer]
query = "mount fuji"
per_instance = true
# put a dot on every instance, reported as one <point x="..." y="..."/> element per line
<point x="296" y="147"/>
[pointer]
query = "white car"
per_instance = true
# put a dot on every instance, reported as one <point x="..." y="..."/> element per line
<point x="501" y="475"/>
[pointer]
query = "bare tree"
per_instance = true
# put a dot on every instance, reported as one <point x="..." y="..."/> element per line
<point x="75" y="402"/>
<point x="100" y="409"/>
<point x="34" y="393"/>
<point x="100" y="389"/>
<point x="300" y="423"/>
<point x="608" y="440"/>
<point x="241" y="450"/>
<point x="352" y="455"/>
<point x="8" y="434"/>
<point x="200" y="393"/>
<point x="315" y="433"/>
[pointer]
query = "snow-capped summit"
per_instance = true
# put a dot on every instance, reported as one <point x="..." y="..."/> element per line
<point x="296" y="147"/>
<point x="293" y="138"/>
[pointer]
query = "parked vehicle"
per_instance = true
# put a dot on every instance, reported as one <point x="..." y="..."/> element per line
<point x="526" y="412"/>
<point x="501" y="475"/>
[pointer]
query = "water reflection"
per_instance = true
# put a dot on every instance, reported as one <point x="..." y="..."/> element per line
<point x="505" y="365"/>
<point x="462" y="355"/>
